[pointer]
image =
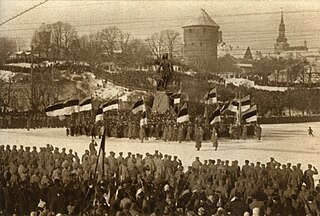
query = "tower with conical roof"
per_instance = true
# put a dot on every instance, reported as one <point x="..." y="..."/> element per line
<point x="201" y="36"/>
<point x="281" y="42"/>
<point x="248" y="54"/>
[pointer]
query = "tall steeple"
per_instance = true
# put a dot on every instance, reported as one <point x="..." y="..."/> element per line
<point x="281" y="41"/>
<point x="282" y="31"/>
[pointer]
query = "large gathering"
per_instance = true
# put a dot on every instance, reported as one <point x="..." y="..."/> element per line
<point x="53" y="181"/>
<point x="159" y="108"/>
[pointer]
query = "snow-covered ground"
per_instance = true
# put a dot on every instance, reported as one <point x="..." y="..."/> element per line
<point x="102" y="89"/>
<point x="22" y="64"/>
<point x="6" y="75"/>
<point x="284" y="142"/>
<point x="250" y="84"/>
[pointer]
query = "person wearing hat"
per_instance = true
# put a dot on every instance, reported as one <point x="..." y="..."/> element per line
<point x="120" y="157"/>
<point x="309" y="173"/>
<point x="112" y="161"/>
<point x="198" y="136"/>
<point x="214" y="138"/>
<point x="92" y="147"/>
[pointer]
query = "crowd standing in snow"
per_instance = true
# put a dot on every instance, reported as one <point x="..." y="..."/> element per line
<point x="50" y="181"/>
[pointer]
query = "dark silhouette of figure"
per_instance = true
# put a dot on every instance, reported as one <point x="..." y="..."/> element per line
<point x="165" y="69"/>
<point x="310" y="131"/>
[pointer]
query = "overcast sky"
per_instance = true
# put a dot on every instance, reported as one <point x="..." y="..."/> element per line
<point x="243" y="23"/>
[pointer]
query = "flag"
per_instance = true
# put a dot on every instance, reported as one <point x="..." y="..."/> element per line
<point x="234" y="105"/>
<point x="183" y="115"/>
<point x="250" y="115"/>
<point x="143" y="120"/>
<point x="245" y="103"/>
<point x="111" y="105"/>
<point x="54" y="110"/>
<point x="176" y="100"/>
<point x="211" y="97"/>
<point x="224" y="107"/>
<point x="85" y="104"/>
<point x="99" y="115"/>
<point x="101" y="154"/>
<point x="138" y="106"/>
<point x="215" y="117"/>
<point x="70" y="106"/>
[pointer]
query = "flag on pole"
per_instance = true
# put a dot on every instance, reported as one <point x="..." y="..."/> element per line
<point x="70" y="106"/>
<point x="102" y="152"/>
<point x="55" y="109"/>
<point x="138" y="106"/>
<point x="143" y="120"/>
<point x="251" y="114"/>
<point x="224" y="107"/>
<point x="99" y="115"/>
<point x="183" y="115"/>
<point x="85" y="104"/>
<point x="234" y="105"/>
<point x="176" y="98"/>
<point x="211" y="97"/>
<point x="245" y="103"/>
<point x="215" y="117"/>
<point x="112" y="104"/>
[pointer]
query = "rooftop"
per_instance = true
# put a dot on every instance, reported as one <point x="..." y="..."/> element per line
<point x="202" y="20"/>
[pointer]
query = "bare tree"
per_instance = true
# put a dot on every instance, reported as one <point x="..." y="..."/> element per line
<point x="156" y="44"/>
<point x="170" y="39"/>
<point x="56" y="39"/>
<point x="109" y="37"/>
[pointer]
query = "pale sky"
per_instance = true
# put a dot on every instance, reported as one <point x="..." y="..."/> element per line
<point x="243" y="23"/>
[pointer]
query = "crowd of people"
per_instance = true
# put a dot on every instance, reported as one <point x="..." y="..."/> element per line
<point x="29" y="121"/>
<point x="50" y="181"/>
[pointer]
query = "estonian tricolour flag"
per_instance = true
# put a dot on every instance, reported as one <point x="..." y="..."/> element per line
<point x="99" y="115"/>
<point x="211" y="97"/>
<point x="70" y="106"/>
<point x="215" y="117"/>
<point x="86" y="104"/>
<point x="224" y="107"/>
<point x="112" y="104"/>
<point x="251" y="114"/>
<point x="138" y="106"/>
<point x="245" y="103"/>
<point x="234" y="105"/>
<point x="183" y="115"/>
<point x="55" y="109"/>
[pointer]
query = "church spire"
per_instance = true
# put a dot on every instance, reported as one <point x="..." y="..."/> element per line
<point x="281" y="42"/>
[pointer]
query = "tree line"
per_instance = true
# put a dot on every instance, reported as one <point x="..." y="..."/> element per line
<point x="60" y="41"/>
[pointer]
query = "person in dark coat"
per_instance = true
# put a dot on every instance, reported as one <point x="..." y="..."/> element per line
<point x="198" y="137"/>
<point x="237" y="207"/>
<point x="23" y="199"/>
<point x="214" y="139"/>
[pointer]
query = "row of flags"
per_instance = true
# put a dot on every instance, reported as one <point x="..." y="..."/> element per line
<point x="69" y="106"/>
<point x="242" y="107"/>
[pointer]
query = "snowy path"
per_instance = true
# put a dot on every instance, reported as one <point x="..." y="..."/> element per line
<point x="284" y="142"/>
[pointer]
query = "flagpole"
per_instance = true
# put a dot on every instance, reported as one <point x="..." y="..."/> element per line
<point x="103" y="149"/>
<point x="145" y="108"/>
<point x="239" y="118"/>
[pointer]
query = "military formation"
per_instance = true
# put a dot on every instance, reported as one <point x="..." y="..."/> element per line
<point x="53" y="181"/>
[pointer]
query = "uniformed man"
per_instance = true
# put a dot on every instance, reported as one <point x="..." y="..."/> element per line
<point x="214" y="138"/>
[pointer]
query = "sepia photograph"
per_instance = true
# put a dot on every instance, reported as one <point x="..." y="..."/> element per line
<point x="154" y="108"/>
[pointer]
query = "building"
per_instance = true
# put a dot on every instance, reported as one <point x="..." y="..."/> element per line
<point x="201" y="36"/>
<point x="281" y="42"/>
